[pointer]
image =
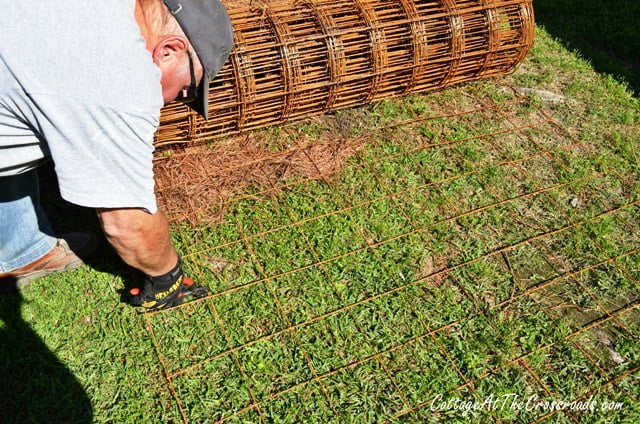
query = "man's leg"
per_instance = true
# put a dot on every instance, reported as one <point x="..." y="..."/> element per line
<point x="25" y="233"/>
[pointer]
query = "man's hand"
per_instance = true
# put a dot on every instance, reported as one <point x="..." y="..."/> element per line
<point x="166" y="291"/>
<point x="142" y="241"/>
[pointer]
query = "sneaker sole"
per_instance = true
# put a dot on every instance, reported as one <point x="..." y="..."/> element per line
<point x="25" y="280"/>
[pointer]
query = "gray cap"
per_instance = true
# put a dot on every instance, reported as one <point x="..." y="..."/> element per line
<point x="208" y="28"/>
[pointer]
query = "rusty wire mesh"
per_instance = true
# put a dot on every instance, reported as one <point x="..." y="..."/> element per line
<point x="297" y="58"/>
<point x="536" y="180"/>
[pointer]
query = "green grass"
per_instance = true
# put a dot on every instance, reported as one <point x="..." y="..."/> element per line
<point x="457" y="256"/>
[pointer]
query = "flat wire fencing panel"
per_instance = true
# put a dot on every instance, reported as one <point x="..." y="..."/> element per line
<point x="512" y="238"/>
<point x="299" y="58"/>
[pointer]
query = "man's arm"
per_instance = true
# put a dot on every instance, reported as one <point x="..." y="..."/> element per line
<point x="140" y="238"/>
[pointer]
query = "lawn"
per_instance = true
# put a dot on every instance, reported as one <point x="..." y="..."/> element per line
<point x="478" y="243"/>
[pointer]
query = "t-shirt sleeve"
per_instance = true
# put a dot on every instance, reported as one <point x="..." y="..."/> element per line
<point x="103" y="157"/>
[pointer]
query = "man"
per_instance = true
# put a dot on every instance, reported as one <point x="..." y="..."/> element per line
<point x="83" y="83"/>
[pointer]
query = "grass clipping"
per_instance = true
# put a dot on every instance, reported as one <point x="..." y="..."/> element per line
<point x="198" y="183"/>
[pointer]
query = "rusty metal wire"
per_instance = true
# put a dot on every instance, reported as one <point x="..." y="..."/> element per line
<point x="298" y="58"/>
<point x="539" y="240"/>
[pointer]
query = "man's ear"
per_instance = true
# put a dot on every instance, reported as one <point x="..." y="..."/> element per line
<point x="169" y="49"/>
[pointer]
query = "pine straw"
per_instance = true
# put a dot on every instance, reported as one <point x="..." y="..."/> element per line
<point x="197" y="183"/>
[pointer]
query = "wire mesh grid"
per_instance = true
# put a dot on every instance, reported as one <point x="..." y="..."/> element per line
<point x="488" y="232"/>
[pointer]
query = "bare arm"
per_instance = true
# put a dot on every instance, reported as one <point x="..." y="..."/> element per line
<point x="140" y="238"/>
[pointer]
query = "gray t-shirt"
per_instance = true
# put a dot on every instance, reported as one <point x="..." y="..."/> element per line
<point x="77" y="83"/>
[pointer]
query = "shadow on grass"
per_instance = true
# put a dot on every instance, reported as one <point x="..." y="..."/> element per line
<point x="605" y="32"/>
<point x="36" y="386"/>
<point x="66" y="217"/>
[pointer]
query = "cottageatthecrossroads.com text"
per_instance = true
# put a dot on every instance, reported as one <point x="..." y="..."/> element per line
<point x="515" y="402"/>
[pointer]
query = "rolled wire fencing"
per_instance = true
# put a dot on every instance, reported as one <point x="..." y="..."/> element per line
<point x="294" y="59"/>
